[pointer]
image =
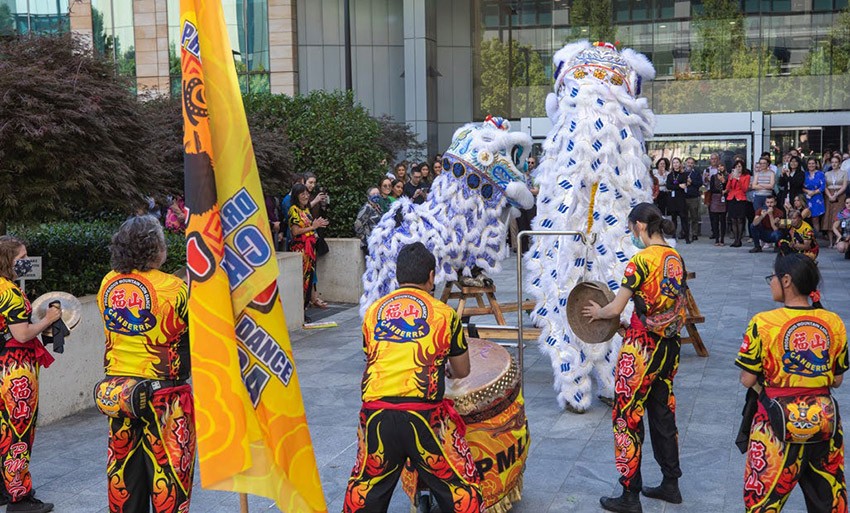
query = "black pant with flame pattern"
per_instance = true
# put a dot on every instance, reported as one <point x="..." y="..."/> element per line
<point x="151" y="459"/>
<point x="775" y="467"/>
<point x="643" y="382"/>
<point x="18" y="412"/>
<point x="387" y="438"/>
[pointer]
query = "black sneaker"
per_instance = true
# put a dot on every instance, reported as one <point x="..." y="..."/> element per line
<point x="29" y="505"/>
<point x="756" y="249"/>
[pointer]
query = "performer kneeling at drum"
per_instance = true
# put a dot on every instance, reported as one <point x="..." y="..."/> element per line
<point x="408" y="337"/>
<point x="655" y="279"/>
<point x="151" y="457"/>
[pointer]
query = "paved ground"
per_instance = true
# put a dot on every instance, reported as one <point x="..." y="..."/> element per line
<point x="571" y="457"/>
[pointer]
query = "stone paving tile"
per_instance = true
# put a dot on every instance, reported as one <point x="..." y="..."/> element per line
<point x="570" y="461"/>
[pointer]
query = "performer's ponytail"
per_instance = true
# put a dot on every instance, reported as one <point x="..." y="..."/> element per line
<point x="655" y="222"/>
<point x="804" y="275"/>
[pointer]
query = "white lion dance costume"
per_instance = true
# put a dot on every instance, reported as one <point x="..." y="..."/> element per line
<point x="462" y="222"/>
<point x="594" y="170"/>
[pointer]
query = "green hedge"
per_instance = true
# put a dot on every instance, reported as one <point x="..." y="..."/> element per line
<point x="75" y="256"/>
<point x="332" y="136"/>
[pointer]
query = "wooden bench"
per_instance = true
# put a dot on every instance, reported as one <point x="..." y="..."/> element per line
<point x="479" y="294"/>
<point x="693" y="317"/>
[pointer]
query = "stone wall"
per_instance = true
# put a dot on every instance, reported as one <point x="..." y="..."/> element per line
<point x="66" y="387"/>
<point x="341" y="271"/>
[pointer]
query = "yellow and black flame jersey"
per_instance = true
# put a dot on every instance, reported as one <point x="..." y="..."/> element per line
<point x="795" y="347"/>
<point x="656" y="275"/>
<point x="14" y="308"/>
<point x="145" y="316"/>
<point x="407" y="336"/>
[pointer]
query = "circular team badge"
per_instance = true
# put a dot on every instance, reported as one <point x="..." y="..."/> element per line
<point x="402" y="318"/>
<point x="127" y="306"/>
<point x="806" y="344"/>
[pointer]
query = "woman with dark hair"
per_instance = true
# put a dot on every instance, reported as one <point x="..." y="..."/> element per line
<point x="813" y="188"/>
<point x="397" y="190"/>
<point x="21" y="356"/>
<point x="717" y="206"/>
<point x="790" y="182"/>
<point x="792" y="356"/>
<point x="151" y="454"/>
<point x="655" y="280"/>
<point x="736" y="201"/>
<point x="801" y="204"/>
<point x="677" y="183"/>
<point x="303" y="228"/>
<point x="425" y="171"/>
<point x="662" y="169"/>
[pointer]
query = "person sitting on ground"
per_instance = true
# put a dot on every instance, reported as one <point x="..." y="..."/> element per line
<point x="368" y="216"/>
<point x="841" y="228"/>
<point x="801" y="205"/>
<point x="412" y="343"/>
<point x="415" y="189"/>
<point x="766" y="224"/>
<point x="801" y="237"/>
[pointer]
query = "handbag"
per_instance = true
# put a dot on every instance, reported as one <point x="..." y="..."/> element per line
<point x="804" y="418"/>
<point x="122" y="396"/>
<point x="322" y="247"/>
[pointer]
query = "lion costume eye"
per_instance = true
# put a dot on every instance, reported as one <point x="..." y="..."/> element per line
<point x="516" y="155"/>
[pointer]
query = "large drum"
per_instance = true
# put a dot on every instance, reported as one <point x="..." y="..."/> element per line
<point x="491" y="404"/>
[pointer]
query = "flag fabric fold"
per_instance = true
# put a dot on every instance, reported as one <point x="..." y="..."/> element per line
<point x="252" y="429"/>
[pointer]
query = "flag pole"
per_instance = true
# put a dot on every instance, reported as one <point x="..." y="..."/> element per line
<point x="243" y="503"/>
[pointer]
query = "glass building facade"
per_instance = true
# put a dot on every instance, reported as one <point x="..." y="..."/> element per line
<point x="34" y="16"/>
<point x="712" y="56"/>
<point x="113" y="34"/>
<point x="247" y="25"/>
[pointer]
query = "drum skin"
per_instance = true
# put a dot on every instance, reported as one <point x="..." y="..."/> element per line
<point x="491" y="403"/>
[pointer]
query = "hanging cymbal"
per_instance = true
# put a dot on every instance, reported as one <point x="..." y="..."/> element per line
<point x="598" y="331"/>
<point x="71" y="307"/>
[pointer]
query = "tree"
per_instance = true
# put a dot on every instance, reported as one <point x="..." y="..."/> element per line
<point x="332" y="136"/>
<point x="592" y="20"/>
<point x="271" y="146"/>
<point x="70" y="131"/>
<point x="525" y="93"/>
<point x="398" y="138"/>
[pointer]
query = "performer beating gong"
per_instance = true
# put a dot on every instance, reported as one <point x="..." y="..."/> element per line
<point x="408" y="336"/>
<point x="655" y="279"/>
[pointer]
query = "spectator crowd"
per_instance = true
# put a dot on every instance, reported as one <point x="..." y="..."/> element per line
<point x="796" y="206"/>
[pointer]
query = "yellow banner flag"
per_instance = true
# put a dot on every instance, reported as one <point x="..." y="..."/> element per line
<point x="252" y="429"/>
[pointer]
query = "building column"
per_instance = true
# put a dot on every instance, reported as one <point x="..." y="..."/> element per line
<point x="81" y="23"/>
<point x="420" y="84"/>
<point x="283" y="49"/>
<point x="150" y="18"/>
